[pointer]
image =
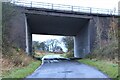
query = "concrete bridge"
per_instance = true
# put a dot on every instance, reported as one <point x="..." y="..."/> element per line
<point x="81" y="25"/>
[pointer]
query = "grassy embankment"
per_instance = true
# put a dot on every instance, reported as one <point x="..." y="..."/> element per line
<point x="22" y="72"/>
<point x="16" y="64"/>
<point x="109" y="68"/>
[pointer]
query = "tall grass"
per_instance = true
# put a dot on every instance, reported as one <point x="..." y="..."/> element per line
<point x="107" y="52"/>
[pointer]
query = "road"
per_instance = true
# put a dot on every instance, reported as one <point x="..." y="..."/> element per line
<point x="66" y="69"/>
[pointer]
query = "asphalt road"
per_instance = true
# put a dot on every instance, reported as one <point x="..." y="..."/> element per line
<point x="66" y="69"/>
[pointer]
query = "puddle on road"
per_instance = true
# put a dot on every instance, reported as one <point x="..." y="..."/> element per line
<point x="66" y="72"/>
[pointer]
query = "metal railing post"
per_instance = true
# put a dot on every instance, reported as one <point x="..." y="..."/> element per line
<point x="13" y="1"/>
<point x="72" y="8"/>
<point x="52" y="6"/>
<point x="31" y="4"/>
<point x="90" y="10"/>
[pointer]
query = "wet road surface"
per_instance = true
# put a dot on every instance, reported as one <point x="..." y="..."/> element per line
<point x="66" y="69"/>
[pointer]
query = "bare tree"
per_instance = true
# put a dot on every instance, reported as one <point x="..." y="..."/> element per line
<point x="52" y="44"/>
<point x="69" y="42"/>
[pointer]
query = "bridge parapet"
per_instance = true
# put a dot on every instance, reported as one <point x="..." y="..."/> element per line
<point x="52" y="6"/>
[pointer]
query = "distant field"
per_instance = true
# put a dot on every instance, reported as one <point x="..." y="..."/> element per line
<point x="40" y="54"/>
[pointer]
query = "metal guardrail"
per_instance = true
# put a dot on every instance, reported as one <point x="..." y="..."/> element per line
<point x="65" y="7"/>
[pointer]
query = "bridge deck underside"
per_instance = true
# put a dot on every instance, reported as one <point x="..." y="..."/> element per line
<point x="55" y="25"/>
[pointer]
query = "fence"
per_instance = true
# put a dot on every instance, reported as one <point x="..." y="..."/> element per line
<point x="66" y="7"/>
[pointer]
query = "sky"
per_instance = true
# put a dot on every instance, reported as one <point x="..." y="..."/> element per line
<point x="109" y="4"/>
<point x="106" y="4"/>
<point x="42" y="38"/>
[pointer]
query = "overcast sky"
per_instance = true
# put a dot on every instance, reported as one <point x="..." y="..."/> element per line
<point x="107" y="4"/>
<point x="41" y="38"/>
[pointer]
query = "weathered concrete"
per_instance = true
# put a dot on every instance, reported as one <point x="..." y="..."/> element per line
<point x="82" y="26"/>
<point x="55" y="25"/>
<point x="82" y="42"/>
<point x="54" y="22"/>
<point x="28" y="38"/>
<point x="63" y="25"/>
<point x="14" y="25"/>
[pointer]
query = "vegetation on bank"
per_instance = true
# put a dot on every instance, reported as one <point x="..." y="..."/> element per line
<point x="22" y="72"/>
<point x="109" y="68"/>
<point x="15" y="62"/>
<point x="18" y="64"/>
<point x="68" y="54"/>
<point x="107" y="52"/>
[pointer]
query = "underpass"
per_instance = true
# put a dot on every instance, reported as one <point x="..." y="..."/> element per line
<point x="45" y="21"/>
<point x="41" y="20"/>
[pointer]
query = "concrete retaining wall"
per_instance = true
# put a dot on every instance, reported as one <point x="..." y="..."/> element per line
<point x="15" y="26"/>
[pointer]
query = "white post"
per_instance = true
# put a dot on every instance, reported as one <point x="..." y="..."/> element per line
<point x="27" y="40"/>
<point x="119" y="8"/>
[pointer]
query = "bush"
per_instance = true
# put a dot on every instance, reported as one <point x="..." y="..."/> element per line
<point x="107" y="52"/>
<point x="69" y="54"/>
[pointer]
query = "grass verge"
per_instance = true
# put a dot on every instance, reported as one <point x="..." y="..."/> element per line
<point x="22" y="72"/>
<point x="106" y="67"/>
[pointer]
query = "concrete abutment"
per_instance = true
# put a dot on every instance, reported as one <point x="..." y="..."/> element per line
<point x="82" y="42"/>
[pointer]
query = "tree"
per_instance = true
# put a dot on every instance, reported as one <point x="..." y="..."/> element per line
<point x="69" y="42"/>
<point x="57" y="49"/>
<point x="52" y="44"/>
<point x="43" y="46"/>
<point x="49" y="45"/>
<point x="36" y="45"/>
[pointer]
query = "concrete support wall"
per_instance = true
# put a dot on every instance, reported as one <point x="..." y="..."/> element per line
<point x="17" y="31"/>
<point x="82" y="42"/>
<point x="30" y="41"/>
<point x="87" y="38"/>
<point x="20" y="34"/>
<point x="92" y="33"/>
<point x="28" y="38"/>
